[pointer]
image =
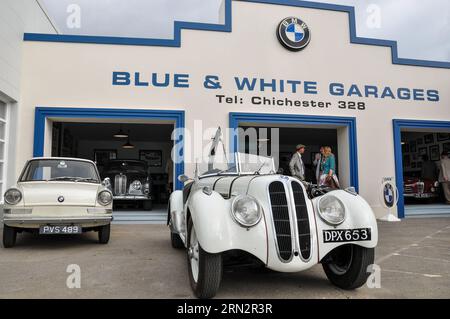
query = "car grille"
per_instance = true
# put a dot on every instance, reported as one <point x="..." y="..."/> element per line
<point x="304" y="235"/>
<point x="280" y="213"/>
<point x="120" y="184"/>
<point x="408" y="189"/>
<point x="420" y="187"/>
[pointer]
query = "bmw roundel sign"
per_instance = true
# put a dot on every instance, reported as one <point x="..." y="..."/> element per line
<point x="389" y="195"/>
<point x="293" y="34"/>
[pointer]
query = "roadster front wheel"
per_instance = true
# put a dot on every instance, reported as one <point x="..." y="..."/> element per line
<point x="346" y="266"/>
<point x="9" y="236"/>
<point x="205" y="269"/>
<point x="104" y="234"/>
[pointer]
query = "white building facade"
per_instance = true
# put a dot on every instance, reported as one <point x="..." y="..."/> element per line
<point x="230" y="75"/>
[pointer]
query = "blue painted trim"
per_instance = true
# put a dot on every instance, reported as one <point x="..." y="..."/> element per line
<point x="180" y="25"/>
<point x="43" y="113"/>
<point x="398" y="125"/>
<point x="235" y="119"/>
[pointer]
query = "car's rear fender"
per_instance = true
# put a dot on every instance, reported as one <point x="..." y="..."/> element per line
<point x="217" y="231"/>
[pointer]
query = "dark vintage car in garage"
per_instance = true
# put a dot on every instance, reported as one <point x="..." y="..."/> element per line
<point x="129" y="181"/>
<point x="420" y="188"/>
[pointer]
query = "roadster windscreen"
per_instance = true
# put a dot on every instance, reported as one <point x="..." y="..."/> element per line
<point x="60" y="170"/>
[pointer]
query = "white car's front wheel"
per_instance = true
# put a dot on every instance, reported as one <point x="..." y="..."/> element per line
<point x="9" y="236"/>
<point x="346" y="266"/>
<point x="104" y="234"/>
<point x="205" y="269"/>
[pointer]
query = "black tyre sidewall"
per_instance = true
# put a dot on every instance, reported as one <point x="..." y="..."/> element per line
<point x="209" y="272"/>
<point x="176" y="241"/>
<point x="357" y="274"/>
<point x="9" y="236"/>
<point x="104" y="234"/>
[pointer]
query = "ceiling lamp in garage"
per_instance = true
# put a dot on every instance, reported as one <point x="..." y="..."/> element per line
<point x="128" y="144"/>
<point x="121" y="133"/>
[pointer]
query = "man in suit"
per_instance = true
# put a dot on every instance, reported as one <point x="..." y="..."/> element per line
<point x="296" y="165"/>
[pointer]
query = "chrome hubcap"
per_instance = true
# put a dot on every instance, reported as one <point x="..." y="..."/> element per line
<point x="193" y="254"/>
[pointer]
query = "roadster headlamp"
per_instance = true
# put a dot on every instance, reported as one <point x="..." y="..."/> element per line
<point x="331" y="210"/>
<point x="13" y="196"/>
<point x="105" y="198"/>
<point x="246" y="211"/>
<point x="136" y="185"/>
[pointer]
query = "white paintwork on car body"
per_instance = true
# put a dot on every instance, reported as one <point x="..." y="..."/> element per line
<point x="218" y="232"/>
<point x="41" y="199"/>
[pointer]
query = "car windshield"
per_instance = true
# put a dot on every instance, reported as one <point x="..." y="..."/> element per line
<point x="60" y="170"/>
<point x="237" y="163"/>
<point x="127" y="166"/>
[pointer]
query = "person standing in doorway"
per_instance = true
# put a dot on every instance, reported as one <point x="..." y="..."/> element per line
<point x="296" y="165"/>
<point x="329" y="177"/>
<point x="318" y="164"/>
<point x="444" y="175"/>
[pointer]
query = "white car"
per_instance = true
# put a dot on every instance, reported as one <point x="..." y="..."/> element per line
<point x="57" y="196"/>
<point x="248" y="214"/>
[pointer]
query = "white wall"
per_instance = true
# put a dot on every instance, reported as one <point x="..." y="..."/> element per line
<point x="17" y="17"/>
<point x="79" y="75"/>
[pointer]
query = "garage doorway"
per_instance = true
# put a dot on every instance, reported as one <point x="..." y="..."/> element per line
<point x="417" y="166"/>
<point x="136" y="142"/>
<point x="313" y="131"/>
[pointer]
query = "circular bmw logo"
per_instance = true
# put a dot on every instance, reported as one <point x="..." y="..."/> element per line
<point x="293" y="34"/>
<point x="388" y="195"/>
<point x="60" y="199"/>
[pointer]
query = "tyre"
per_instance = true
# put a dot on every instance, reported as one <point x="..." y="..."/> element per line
<point x="346" y="266"/>
<point x="205" y="269"/>
<point x="104" y="233"/>
<point x="176" y="241"/>
<point x="9" y="236"/>
<point x="148" y="205"/>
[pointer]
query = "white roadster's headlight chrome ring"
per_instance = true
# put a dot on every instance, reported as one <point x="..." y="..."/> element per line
<point x="331" y="210"/>
<point x="12" y="196"/>
<point x="246" y="211"/>
<point x="105" y="197"/>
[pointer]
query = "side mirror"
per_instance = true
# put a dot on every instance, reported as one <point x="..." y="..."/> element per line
<point x="183" y="178"/>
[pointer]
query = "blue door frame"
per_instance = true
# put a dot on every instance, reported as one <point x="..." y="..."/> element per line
<point x="43" y="113"/>
<point x="398" y="125"/>
<point x="350" y="122"/>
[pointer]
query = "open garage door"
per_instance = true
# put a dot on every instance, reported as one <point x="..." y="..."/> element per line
<point x="134" y="157"/>
<point x="421" y="157"/>
<point x="278" y="135"/>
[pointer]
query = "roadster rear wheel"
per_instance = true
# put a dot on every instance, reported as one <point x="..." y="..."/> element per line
<point x="9" y="236"/>
<point x="346" y="266"/>
<point x="205" y="269"/>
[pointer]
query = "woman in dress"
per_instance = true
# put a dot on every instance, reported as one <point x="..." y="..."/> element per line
<point x="328" y="168"/>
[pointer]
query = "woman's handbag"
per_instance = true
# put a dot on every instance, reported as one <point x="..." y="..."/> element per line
<point x="331" y="182"/>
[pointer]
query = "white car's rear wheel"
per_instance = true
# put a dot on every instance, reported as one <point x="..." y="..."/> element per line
<point x="205" y="269"/>
<point x="346" y="266"/>
<point x="9" y="236"/>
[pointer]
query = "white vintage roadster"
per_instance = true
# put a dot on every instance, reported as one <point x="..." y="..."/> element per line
<point x="248" y="214"/>
<point x="57" y="196"/>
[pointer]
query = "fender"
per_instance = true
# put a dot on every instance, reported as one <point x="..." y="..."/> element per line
<point x="176" y="213"/>
<point x="218" y="232"/>
<point x="358" y="215"/>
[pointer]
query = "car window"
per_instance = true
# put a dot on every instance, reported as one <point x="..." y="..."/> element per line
<point x="60" y="170"/>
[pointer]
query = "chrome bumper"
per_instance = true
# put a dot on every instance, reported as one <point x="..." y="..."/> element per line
<point x="417" y="195"/>
<point x="14" y="220"/>
<point x="131" y="197"/>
